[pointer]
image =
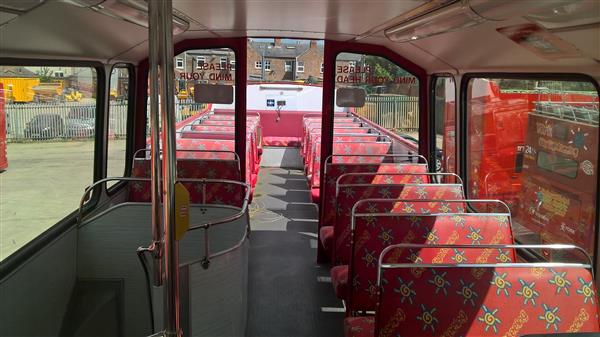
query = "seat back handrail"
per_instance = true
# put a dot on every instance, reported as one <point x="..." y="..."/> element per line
<point x="466" y="201"/>
<point x="329" y="159"/>
<point x="434" y="174"/>
<point x="381" y="265"/>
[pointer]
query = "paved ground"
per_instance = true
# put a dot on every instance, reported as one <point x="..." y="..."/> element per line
<point x="44" y="182"/>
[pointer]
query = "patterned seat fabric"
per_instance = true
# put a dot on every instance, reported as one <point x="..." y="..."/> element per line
<point x="339" y="280"/>
<point x="349" y="194"/>
<point x="326" y="237"/>
<point x="359" y="327"/>
<point x="211" y="193"/>
<point x="200" y="147"/>
<point x="370" y="240"/>
<point x="282" y="141"/>
<point x="348" y="148"/>
<point x="476" y="301"/>
<point x="344" y="164"/>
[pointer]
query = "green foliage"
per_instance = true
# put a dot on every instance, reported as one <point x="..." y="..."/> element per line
<point x="45" y="74"/>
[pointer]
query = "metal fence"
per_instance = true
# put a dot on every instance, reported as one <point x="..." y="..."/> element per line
<point x="71" y="120"/>
<point x="397" y="112"/>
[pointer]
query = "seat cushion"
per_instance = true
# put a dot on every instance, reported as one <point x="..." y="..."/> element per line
<point x="315" y="195"/>
<point x="326" y="237"/>
<point x="281" y="141"/>
<point x="339" y="280"/>
<point x="359" y="327"/>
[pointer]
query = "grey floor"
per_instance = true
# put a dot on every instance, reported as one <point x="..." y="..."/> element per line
<point x="289" y="295"/>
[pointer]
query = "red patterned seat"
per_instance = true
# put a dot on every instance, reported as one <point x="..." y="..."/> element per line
<point x="211" y="193"/>
<point x="346" y="148"/>
<point x="200" y="148"/>
<point x="340" y="164"/>
<point x="359" y="326"/>
<point x="339" y="280"/>
<point x="392" y="228"/>
<point x="486" y="301"/>
<point x="347" y="195"/>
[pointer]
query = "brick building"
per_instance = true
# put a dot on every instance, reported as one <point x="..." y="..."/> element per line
<point x="267" y="61"/>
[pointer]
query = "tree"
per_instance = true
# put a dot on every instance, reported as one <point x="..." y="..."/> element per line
<point x="45" y="74"/>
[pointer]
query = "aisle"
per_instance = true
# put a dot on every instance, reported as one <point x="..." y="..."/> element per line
<point x="289" y="294"/>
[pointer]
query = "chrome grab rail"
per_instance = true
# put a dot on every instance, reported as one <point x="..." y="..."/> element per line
<point x="466" y="201"/>
<point x="418" y="156"/>
<point x="381" y="266"/>
<point x="205" y="261"/>
<point x="236" y="157"/>
<point x="98" y="183"/>
<point x="443" y="174"/>
<point x="206" y="225"/>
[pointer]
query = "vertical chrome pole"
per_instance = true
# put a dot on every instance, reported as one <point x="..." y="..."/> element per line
<point x="157" y="229"/>
<point x="169" y="169"/>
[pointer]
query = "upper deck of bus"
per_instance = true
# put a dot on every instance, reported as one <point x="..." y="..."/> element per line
<point x="301" y="134"/>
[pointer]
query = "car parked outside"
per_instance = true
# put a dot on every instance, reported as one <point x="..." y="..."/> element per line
<point x="45" y="126"/>
<point x="81" y="122"/>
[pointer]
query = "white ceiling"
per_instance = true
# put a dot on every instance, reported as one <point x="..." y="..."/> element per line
<point x="61" y="31"/>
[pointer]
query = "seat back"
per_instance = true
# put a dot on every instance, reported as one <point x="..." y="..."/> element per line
<point x="355" y="148"/>
<point x="373" y="230"/>
<point x="484" y="300"/>
<point x="349" y="194"/>
<point x="340" y="165"/>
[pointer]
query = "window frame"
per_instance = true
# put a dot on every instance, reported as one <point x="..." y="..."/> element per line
<point x="31" y="248"/>
<point x="257" y="65"/>
<point x="298" y="66"/>
<point x="177" y="63"/>
<point x="129" y="144"/>
<point x="223" y="60"/>
<point x="433" y="121"/>
<point x="463" y="139"/>
<point x="268" y="65"/>
<point x="198" y="64"/>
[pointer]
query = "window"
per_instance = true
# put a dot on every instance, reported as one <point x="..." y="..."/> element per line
<point x="300" y="67"/>
<point x="267" y="65"/>
<point x="223" y="62"/>
<point x="50" y="150"/>
<point x="392" y="96"/>
<point x="534" y="145"/>
<point x="288" y="66"/>
<point x="444" y="107"/>
<point x="232" y="64"/>
<point x="117" y="122"/>
<point x="557" y="164"/>
<point x="321" y="68"/>
<point x="179" y="63"/>
<point x="59" y="74"/>
<point x="257" y="65"/>
<point x="200" y="61"/>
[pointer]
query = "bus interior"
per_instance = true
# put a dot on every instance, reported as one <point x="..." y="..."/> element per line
<point x="299" y="168"/>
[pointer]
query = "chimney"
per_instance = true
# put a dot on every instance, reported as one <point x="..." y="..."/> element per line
<point x="278" y="41"/>
<point x="313" y="44"/>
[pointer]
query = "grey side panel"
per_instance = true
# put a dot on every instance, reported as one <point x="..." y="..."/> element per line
<point x="218" y="295"/>
<point x="34" y="299"/>
<point x="108" y="243"/>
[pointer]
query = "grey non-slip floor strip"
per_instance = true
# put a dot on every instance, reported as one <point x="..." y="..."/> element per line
<point x="288" y="292"/>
